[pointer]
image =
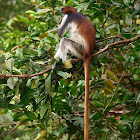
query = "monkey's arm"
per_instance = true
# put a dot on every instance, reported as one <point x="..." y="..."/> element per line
<point x="60" y="32"/>
<point x="63" y="26"/>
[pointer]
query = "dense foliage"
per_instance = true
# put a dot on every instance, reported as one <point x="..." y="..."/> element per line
<point x="51" y="105"/>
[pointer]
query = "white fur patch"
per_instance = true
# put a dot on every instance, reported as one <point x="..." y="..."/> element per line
<point x="63" y="21"/>
<point x="62" y="51"/>
<point x="75" y="35"/>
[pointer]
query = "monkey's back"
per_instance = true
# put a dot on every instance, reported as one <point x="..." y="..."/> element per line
<point x="82" y="31"/>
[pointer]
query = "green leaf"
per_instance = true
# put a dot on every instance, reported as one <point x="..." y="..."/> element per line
<point x="128" y="19"/>
<point x="125" y="117"/>
<point x="10" y="64"/>
<point x="138" y="98"/>
<point x="102" y="58"/>
<point x="29" y="82"/>
<point x="35" y="38"/>
<point x="109" y="84"/>
<point x="17" y="32"/>
<point x="23" y="19"/>
<point x="10" y="83"/>
<point x="63" y="74"/>
<point x="17" y="71"/>
<point x="70" y="1"/>
<point x="30" y="115"/>
<point x="49" y="130"/>
<point x="79" y="120"/>
<point x="43" y="11"/>
<point x="97" y="116"/>
<point x="51" y="40"/>
<point x="108" y="90"/>
<point x="8" y="117"/>
<point x="48" y="84"/>
<point x="137" y="120"/>
<point x="5" y="101"/>
<point x="126" y="1"/>
<point x="34" y="83"/>
<point x="41" y="98"/>
<point x="135" y="12"/>
<point x="30" y="52"/>
<point x="17" y="106"/>
<point x="109" y="1"/>
<point x="51" y="52"/>
<point x="112" y="75"/>
<point x="66" y="107"/>
<point x="26" y="92"/>
<point x="43" y="110"/>
<point x="30" y="12"/>
<point x="10" y="34"/>
<point x="81" y="83"/>
<point x="99" y="104"/>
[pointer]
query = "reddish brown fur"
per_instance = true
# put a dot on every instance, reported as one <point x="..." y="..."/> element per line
<point x="88" y="32"/>
<point x="69" y="9"/>
<point x="86" y="29"/>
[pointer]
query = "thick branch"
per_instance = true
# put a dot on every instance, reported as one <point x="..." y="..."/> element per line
<point x="125" y="41"/>
<point x="2" y="76"/>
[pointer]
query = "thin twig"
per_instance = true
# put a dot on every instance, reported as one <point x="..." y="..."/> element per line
<point x="17" y="124"/>
<point x="129" y="34"/>
<point x="2" y="76"/>
<point x="102" y="114"/>
<point x="131" y="82"/>
<point x="105" y="20"/>
<point x="112" y="129"/>
<point x="114" y="36"/>
<point x="121" y="53"/>
<point x="7" y="124"/>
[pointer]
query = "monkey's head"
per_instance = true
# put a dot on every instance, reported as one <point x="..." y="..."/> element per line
<point x="68" y="9"/>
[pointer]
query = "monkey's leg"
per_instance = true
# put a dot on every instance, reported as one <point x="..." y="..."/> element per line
<point x="63" y="50"/>
<point x="68" y="45"/>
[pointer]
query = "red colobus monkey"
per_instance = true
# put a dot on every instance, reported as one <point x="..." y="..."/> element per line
<point x="81" y="44"/>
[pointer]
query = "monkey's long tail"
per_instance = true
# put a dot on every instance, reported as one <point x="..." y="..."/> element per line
<point x="86" y="118"/>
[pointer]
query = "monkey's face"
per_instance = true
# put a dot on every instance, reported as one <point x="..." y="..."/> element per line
<point x="67" y="10"/>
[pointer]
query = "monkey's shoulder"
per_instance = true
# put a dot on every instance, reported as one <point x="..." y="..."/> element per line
<point x="79" y="19"/>
<point x="75" y="17"/>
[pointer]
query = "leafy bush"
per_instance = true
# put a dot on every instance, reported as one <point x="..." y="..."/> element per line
<point x="50" y="105"/>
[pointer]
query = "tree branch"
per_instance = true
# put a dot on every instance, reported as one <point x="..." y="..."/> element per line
<point x="114" y="36"/>
<point x="103" y="114"/>
<point x="124" y="41"/>
<point x="17" y="124"/>
<point x="2" y="76"/>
